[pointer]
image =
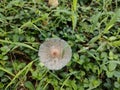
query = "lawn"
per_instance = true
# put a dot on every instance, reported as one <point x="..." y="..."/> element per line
<point x="90" y="27"/>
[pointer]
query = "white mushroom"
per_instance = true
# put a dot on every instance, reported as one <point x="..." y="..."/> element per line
<point x="55" y="53"/>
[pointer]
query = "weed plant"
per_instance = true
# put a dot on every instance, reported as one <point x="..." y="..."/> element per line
<point x="92" y="29"/>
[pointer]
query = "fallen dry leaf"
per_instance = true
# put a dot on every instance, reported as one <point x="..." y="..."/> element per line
<point x="53" y="3"/>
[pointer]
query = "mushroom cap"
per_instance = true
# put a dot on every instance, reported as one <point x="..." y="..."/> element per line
<point x="55" y="53"/>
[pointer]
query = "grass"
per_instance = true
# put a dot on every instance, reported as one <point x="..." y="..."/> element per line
<point x="91" y="28"/>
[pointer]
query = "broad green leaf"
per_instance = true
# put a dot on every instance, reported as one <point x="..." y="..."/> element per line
<point x="111" y="55"/>
<point x="112" y="38"/>
<point x="117" y="74"/>
<point x="76" y="56"/>
<point x="1" y="85"/>
<point x="109" y="74"/>
<point x="94" y="20"/>
<point x="29" y="85"/>
<point x="115" y="43"/>
<point x="96" y="83"/>
<point x="112" y="66"/>
<point x="117" y="85"/>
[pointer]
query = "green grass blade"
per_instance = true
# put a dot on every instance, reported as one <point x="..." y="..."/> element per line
<point x="74" y="14"/>
<point x="61" y="88"/>
<point x="18" y="43"/>
<point x="29" y="23"/>
<point x="74" y="6"/>
<point x="74" y="20"/>
<point x="112" y="21"/>
<point x="117" y="62"/>
<point x="3" y="69"/>
<point x="63" y="11"/>
<point x="19" y="73"/>
<point x="94" y="39"/>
